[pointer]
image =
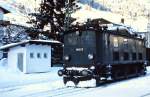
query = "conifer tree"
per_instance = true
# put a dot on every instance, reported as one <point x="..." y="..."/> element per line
<point x="55" y="14"/>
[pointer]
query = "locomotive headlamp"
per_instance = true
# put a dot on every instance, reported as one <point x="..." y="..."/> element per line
<point x="90" y="56"/>
<point x="60" y="72"/>
<point x="77" y="32"/>
<point x="66" y="58"/>
<point x="84" y="72"/>
<point x="92" y="67"/>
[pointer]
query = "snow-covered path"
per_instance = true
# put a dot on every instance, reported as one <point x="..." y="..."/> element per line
<point x="50" y="85"/>
<point x="135" y="87"/>
<point x="46" y="89"/>
<point x="12" y="78"/>
<point x="27" y="90"/>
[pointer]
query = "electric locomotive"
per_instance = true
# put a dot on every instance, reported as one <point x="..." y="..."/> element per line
<point x="93" y="51"/>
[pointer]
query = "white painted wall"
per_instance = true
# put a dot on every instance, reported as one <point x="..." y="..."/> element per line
<point x="12" y="57"/>
<point x="36" y="64"/>
<point x="1" y="52"/>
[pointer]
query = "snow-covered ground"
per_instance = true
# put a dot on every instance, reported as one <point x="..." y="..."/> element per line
<point x="16" y="84"/>
<point x="11" y="78"/>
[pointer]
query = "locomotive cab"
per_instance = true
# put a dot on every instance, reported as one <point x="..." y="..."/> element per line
<point x="80" y="55"/>
<point x="79" y="48"/>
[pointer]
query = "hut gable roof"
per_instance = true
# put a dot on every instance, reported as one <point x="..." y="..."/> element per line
<point x="44" y="42"/>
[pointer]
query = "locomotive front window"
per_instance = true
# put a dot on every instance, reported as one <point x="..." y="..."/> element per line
<point x="86" y="38"/>
<point x="72" y="40"/>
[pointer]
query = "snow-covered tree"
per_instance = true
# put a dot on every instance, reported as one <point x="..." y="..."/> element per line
<point x="12" y="33"/>
<point x="51" y="20"/>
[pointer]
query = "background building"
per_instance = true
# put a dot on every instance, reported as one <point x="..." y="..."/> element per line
<point x="2" y="12"/>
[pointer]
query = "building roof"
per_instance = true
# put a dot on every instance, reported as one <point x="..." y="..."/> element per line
<point x="5" y="10"/>
<point x="44" y="42"/>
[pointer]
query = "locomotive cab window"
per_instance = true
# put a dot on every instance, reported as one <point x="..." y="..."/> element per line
<point x="126" y="56"/>
<point x="133" y="56"/>
<point x="78" y="33"/>
<point x="115" y="56"/>
<point x="140" y="56"/>
<point x="125" y="41"/>
<point x="115" y="40"/>
<point x="140" y="43"/>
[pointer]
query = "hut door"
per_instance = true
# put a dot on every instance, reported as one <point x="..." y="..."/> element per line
<point x="20" y="61"/>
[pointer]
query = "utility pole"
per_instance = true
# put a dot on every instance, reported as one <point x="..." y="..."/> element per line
<point x="148" y="31"/>
<point x="67" y="15"/>
<point x="71" y="7"/>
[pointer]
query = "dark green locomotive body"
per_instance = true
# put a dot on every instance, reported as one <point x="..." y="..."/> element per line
<point x="102" y="54"/>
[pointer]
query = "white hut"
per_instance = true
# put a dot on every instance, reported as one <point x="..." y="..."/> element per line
<point x="30" y="56"/>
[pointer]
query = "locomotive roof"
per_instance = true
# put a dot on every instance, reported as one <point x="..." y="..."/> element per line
<point x="103" y="25"/>
<point x="101" y="21"/>
<point x="104" y="29"/>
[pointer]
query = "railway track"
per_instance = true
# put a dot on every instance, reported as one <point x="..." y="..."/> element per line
<point x="57" y="92"/>
<point x="68" y="91"/>
<point x="61" y="91"/>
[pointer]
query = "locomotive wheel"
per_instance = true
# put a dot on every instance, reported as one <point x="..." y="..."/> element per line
<point x="126" y="74"/>
<point x="115" y="75"/>
<point x="138" y="71"/>
<point x="76" y="81"/>
<point x="65" y="80"/>
<point x="97" y="81"/>
<point x="143" y="72"/>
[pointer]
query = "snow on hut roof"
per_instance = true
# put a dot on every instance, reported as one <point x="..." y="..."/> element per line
<point x="46" y="42"/>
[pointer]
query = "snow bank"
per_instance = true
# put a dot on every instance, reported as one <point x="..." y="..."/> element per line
<point x="3" y="63"/>
<point x="89" y="83"/>
<point x="82" y="84"/>
<point x="11" y="77"/>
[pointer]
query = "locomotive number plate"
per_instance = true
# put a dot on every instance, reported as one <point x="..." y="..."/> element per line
<point x="79" y="49"/>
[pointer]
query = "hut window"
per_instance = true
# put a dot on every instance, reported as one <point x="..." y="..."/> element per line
<point x="38" y="55"/>
<point x="31" y="55"/>
<point x="45" y="55"/>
